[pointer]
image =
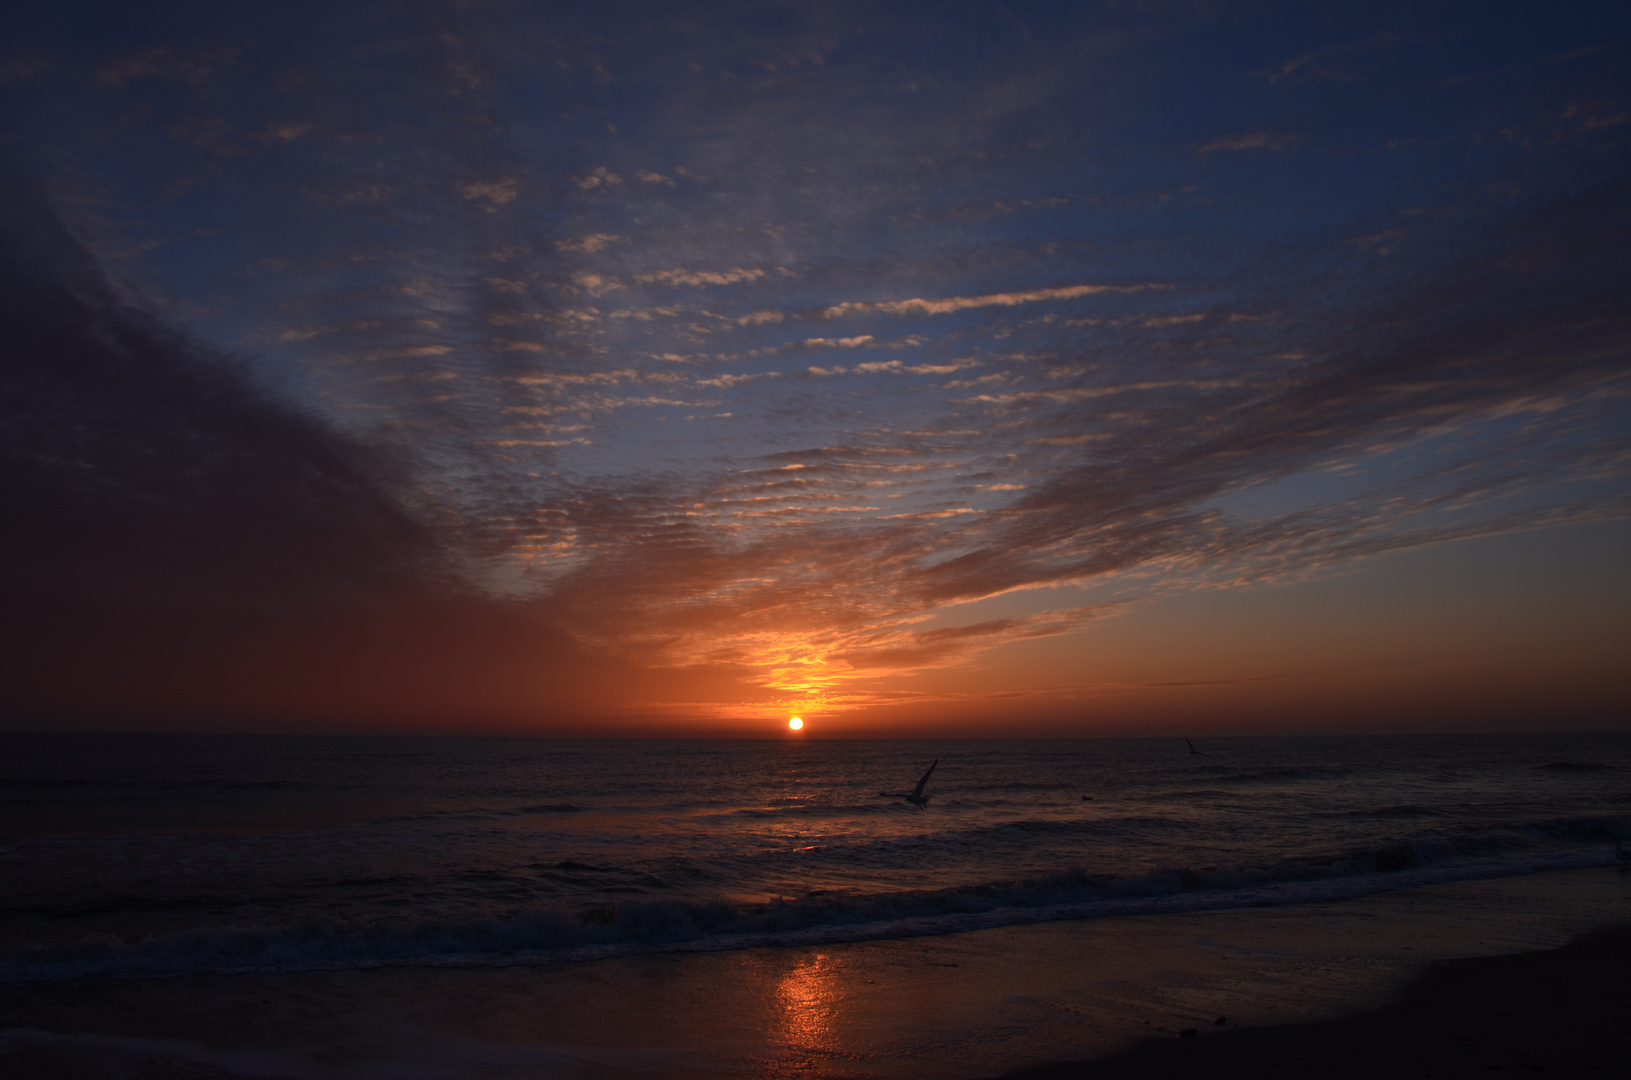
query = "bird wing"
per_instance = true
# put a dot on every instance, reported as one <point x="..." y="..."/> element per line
<point x="919" y="789"/>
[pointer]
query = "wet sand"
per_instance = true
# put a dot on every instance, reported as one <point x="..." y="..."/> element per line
<point x="972" y="1005"/>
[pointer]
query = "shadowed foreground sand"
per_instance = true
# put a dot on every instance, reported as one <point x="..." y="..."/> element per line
<point x="971" y="1005"/>
<point x="1564" y="1012"/>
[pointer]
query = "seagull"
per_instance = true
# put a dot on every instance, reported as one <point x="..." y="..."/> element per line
<point x="1194" y="751"/>
<point x="915" y="796"/>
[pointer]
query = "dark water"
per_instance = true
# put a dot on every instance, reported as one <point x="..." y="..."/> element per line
<point x="124" y="855"/>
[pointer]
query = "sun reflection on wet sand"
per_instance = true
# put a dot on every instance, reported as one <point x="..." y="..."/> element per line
<point x="809" y="999"/>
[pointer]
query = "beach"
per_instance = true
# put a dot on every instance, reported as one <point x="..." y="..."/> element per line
<point x="1561" y="1011"/>
<point x="970" y="1005"/>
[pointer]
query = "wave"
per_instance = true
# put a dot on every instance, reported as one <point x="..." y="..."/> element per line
<point x="1403" y="810"/>
<point x="800" y="809"/>
<point x="559" y="934"/>
<point x="1224" y="774"/>
<point x="1021" y="785"/>
<point x="485" y="813"/>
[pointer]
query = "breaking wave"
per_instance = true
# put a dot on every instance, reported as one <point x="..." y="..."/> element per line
<point x="561" y="934"/>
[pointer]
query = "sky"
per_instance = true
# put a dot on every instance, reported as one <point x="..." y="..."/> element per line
<point x="977" y="369"/>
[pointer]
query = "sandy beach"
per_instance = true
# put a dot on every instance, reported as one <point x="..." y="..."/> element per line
<point x="1560" y="1011"/>
<point x="962" y="1006"/>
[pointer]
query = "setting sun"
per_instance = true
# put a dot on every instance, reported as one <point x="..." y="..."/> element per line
<point x="795" y="723"/>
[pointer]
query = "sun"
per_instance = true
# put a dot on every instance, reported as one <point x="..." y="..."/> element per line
<point x="795" y="723"/>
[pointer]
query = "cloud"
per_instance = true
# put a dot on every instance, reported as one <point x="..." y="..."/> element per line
<point x="494" y="193"/>
<point x="953" y="304"/>
<point x="701" y="278"/>
<point x="725" y="381"/>
<point x="18" y="71"/>
<point x="139" y="465"/>
<point x="597" y="285"/>
<point x="165" y="65"/>
<point x="588" y="244"/>
<point x="601" y="178"/>
<point x="1251" y="140"/>
<point x="285" y="132"/>
<point x="838" y="343"/>
<point x="911" y="650"/>
<point x="943" y="369"/>
<point x="1412" y="367"/>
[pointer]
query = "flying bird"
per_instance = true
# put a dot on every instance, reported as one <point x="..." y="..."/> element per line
<point x="1192" y="749"/>
<point x="915" y="796"/>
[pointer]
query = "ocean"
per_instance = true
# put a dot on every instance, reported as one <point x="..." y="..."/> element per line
<point x="162" y="855"/>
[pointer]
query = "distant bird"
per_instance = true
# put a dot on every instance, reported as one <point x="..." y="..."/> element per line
<point x="1621" y="854"/>
<point x="1194" y="751"/>
<point x="915" y="796"/>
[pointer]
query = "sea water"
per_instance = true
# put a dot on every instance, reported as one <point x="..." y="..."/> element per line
<point x="131" y="855"/>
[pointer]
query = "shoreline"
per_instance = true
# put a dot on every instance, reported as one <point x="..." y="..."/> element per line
<point x="981" y="1004"/>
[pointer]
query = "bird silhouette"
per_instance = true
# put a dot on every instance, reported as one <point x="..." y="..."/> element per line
<point x="1192" y="749"/>
<point x="915" y="796"/>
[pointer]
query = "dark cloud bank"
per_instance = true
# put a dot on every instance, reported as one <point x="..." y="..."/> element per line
<point x="179" y="546"/>
<point x="141" y="467"/>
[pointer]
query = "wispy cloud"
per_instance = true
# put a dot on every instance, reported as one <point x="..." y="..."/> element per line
<point x="839" y="343"/>
<point x="949" y="305"/>
<point x="494" y="193"/>
<point x="588" y="244"/>
<point x="1266" y="139"/>
<point x="700" y="278"/>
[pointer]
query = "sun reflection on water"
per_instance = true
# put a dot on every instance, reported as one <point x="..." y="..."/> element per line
<point x="808" y="996"/>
